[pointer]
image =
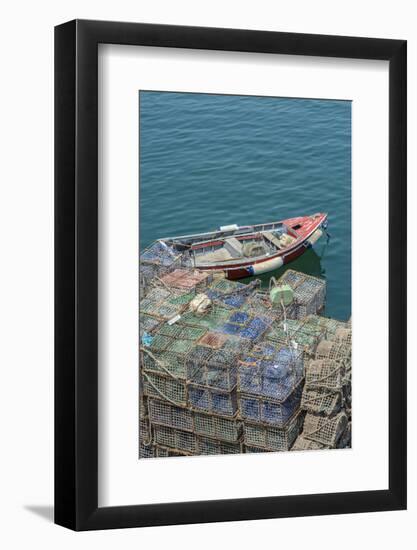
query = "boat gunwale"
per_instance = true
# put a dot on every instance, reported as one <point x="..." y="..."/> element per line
<point x="237" y="263"/>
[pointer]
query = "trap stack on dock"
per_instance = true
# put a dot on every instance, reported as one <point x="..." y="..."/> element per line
<point x="223" y="367"/>
<point x="326" y="397"/>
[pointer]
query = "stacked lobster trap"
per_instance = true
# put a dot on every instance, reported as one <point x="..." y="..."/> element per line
<point x="309" y="293"/>
<point x="326" y="397"/>
<point x="270" y="380"/>
<point x="237" y="374"/>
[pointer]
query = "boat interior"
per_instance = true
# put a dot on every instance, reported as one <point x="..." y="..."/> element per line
<point x="234" y="245"/>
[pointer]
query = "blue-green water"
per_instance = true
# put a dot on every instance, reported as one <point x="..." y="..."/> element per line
<point x="211" y="160"/>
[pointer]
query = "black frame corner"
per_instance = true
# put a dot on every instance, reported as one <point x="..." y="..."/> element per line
<point x="76" y="269"/>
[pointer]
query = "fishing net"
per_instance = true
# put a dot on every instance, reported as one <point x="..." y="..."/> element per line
<point x="159" y="254"/>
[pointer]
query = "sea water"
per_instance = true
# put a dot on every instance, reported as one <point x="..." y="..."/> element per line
<point x="210" y="160"/>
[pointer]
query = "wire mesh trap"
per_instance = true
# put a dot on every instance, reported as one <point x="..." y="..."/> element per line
<point x="171" y="416"/>
<point x="207" y="399"/>
<point x="242" y="325"/>
<point x="338" y="351"/>
<point x="344" y="336"/>
<point x="213" y="318"/>
<point x="303" y="444"/>
<point x="324" y="430"/>
<point x="217" y="427"/>
<point x="296" y="333"/>
<point x="259" y="303"/>
<point x="163" y="452"/>
<point x="261" y="409"/>
<point x="273" y="438"/>
<point x="229" y="377"/>
<point x="147" y="324"/>
<point x="324" y="373"/>
<point x="146" y="452"/>
<point x="309" y="292"/>
<point x="209" y="446"/>
<point x="215" y="368"/>
<point x="270" y="370"/>
<point x="321" y="401"/>
<point x="178" y="440"/>
<point x="328" y="325"/>
<point x="185" y="279"/>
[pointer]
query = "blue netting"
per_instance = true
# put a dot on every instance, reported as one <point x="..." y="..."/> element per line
<point x="231" y="300"/>
<point x="230" y="328"/>
<point x="209" y="400"/>
<point x="239" y="317"/>
<point x="213" y="368"/>
<point x="158" y="253"/>
<point x="255" y="328"/>
<point x="270" y="371"/>
<point x="268" y="411"/>
<point x="246" y="328"/>
<point x="235" y="300"/>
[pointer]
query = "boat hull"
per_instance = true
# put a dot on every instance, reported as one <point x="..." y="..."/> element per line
<point x="263" y="266"/>
<point x="303" y="231"/>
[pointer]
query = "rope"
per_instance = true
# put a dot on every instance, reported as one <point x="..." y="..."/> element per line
<point x="318" y="380"/>
<point x="162" y="282"/>
<point x="161" y="364"/>
<point x="150" y="441"/>
<point x="159" y="391"/>
<point x="308" y="434"/>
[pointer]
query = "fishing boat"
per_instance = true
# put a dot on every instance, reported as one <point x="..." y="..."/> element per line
<point x="244" y="251"/>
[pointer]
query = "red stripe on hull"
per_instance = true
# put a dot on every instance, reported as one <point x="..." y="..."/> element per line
<point x="294" y="255"/>
<point x="234" y="274"/>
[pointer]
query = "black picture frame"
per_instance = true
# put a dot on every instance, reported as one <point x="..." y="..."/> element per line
<point x="76" y="272"/>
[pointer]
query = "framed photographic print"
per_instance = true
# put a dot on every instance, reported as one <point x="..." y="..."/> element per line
<point x="230" y="275"/>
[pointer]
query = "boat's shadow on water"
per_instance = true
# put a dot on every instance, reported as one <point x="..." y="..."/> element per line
<point x="308" y="263"/>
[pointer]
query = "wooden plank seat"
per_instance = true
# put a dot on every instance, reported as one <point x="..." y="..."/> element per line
<point x="272" y="239"/>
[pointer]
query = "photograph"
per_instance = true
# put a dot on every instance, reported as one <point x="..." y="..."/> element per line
<point x="245" y="274"/>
